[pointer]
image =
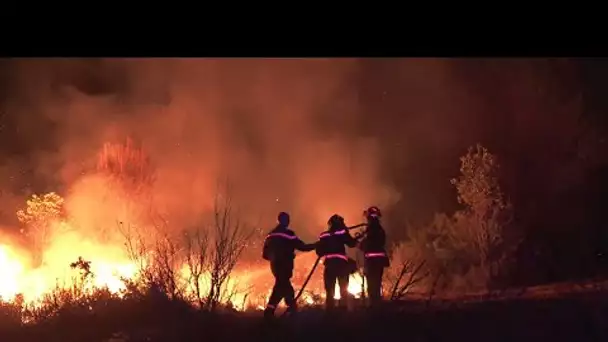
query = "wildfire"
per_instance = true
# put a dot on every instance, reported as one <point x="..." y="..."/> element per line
<point x="110" y="266"/>
<point x="109" y="273"/>
<point x="355" y="286"/>
<point x="20" y="278"/>
<point x="12" y="270"/>
<point x="66" y="249"/>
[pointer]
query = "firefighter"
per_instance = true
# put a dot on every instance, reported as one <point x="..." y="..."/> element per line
<point x="336" y="263"/>
<point x="373" y="246"/>
<point x="279" y="248"/>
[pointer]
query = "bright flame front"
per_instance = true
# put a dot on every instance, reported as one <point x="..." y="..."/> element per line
<point x="355" y="286"/>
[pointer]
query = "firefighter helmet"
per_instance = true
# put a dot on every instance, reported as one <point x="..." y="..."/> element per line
<point x="373" y="211"/>
<point x="336" y="221"/>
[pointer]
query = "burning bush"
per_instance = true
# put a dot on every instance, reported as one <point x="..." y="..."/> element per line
<point x="196" y="267"/>
<point x="201" y="266"/>
<point x="128" y="164"/>
<point x="41" y="215"/>
<point x="131" y="174"/>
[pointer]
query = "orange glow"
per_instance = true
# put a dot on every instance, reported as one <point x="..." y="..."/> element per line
<point x="109" y="263"/>
<point x="271" y="151"/>
<point x="355" y="286"/>
<point x="84" y="225"/>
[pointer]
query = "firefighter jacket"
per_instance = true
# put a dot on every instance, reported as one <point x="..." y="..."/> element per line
<point x="280" y="246"/>
<point x="332" y="244"/>
<point x="373" y="244"/>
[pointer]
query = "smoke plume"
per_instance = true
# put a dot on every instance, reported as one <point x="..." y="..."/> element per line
<point x="264" y="125"/>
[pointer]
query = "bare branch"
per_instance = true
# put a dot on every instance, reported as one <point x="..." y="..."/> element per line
<point x="229" y="241"/>
<point x="197" y="246"/>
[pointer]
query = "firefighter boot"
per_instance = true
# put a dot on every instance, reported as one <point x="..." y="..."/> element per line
<point x="292" y="310"/>
<point x="269" y="312"/>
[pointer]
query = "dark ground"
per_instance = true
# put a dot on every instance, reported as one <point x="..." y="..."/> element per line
<point x="580" y="318"/>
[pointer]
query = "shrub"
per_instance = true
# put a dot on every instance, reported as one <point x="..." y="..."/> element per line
<point x="486" y="219"/>
<point x="473" y="247"/>
<point x="229" y="240"/>
<point x="41" y="216"/>
<point x="406" y="271"/>
<point x="197" y="266"/>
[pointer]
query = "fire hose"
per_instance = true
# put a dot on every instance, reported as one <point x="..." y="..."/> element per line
<point x="314" y="266"/>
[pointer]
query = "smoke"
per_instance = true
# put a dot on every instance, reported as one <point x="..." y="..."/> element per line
<point x="265" y="125"/>
<point x="311" y="137"/>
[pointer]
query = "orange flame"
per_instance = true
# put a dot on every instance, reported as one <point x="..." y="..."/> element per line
<point x="249" y="284"/>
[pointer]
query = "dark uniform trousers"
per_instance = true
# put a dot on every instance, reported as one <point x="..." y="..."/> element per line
<point x="336" y="270"/>
<point x="282" y="272"/>
<point x="374" y="270"/>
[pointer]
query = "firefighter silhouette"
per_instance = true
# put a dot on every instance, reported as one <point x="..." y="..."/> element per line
<point x="279" y="248"/>
<point x="337" y="265"/>
<point x="373" y="247"/>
